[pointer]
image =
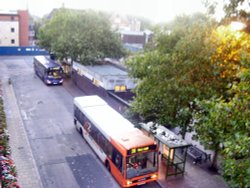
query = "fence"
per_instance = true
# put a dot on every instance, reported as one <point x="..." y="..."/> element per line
<point x="24" y="50"/>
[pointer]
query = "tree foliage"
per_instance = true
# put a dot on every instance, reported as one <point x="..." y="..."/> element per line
<point x="233" y="8"/>
<point x="197" y="74"/>
<point x="227" y="123"/>
<point x="84" y="36"/>
<point x="175" y="72"/>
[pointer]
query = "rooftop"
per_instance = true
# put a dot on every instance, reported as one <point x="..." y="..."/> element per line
<point x="103" y="70"/>
<point x="8" y="12"/>
<point x="164" y="135"/>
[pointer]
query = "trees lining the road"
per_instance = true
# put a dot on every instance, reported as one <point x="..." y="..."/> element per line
<point x="175" y="72"/>
<point x="196" y="76"/>
<point x="84" y="36"/>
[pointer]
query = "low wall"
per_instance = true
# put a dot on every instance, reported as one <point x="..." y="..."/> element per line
<point x="89" y="88"/>
<point x="24" y="50"/>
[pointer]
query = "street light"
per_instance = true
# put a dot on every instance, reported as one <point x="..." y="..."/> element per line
<point x="237" y="26"/>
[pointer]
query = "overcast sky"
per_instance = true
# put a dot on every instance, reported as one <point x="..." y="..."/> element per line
<point x="155" y="10"/>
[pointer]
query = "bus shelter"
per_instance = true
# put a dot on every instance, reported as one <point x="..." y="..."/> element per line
<point x="172" y="148"/>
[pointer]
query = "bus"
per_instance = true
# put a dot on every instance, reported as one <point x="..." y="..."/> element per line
<point x="48" y="70"/>
<point x="129" y="155"/>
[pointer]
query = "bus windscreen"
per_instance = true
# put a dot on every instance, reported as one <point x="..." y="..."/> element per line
<point x="141" y="164"/>
<point x="55" y="73"/>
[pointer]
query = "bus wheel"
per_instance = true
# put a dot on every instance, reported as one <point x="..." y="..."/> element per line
<point x="107" y="166"/>
<point x="81" y="132"/>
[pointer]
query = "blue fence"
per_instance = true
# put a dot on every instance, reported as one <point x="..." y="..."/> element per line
<point x="24" y="50"/>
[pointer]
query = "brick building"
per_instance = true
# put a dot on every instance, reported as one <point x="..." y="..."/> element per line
<point x="15" y="28"/>
<point x="132" y="37"/>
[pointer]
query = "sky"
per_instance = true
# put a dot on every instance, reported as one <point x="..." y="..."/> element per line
<point x="154" y="10"/>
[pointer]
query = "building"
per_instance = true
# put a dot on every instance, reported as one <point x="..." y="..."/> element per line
<point x="130" y="32"/>
<point x="135" y="40"/>
<point x="122" y="22"/>
<point x="15" y="29"/>
<point x="173" y="148"/>
<point x="106" y="80"/>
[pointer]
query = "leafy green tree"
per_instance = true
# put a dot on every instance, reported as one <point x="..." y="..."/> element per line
<point x="233" y="8"/>
<point x="84" y="36"/>
<point x="227" y="57"/>
<point x="236" y="151"/>
<point x="174" y="73"/>
<point x="225" y="126"/>
<point x="194" y="66"/>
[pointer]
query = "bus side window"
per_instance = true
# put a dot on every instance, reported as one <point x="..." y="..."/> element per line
<point x="81" y="117"/>
<point x="109" y="150"/>
<point x="117" y="160"/>
<point x="102" y="142"/>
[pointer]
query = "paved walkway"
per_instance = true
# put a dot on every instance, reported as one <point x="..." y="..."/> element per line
<point x="195" y="176"/>
<point x="28" y="176"/>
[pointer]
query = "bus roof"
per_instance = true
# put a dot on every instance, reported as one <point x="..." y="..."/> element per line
<point x="112" y="124"/>
<point x="46" y="61"/>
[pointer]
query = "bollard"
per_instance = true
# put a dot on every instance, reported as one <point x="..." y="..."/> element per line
<point x="9" y="81"/>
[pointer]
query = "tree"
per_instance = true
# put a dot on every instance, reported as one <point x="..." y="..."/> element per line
<point x="174" y="73"/>
<point x="84" y="36"/>
<point x="225" y="126"/>
<point x="233" y="8"/>
<point x="196" y="68"/>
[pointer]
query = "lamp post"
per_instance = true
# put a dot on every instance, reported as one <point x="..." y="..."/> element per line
<point x="237" y="26"/>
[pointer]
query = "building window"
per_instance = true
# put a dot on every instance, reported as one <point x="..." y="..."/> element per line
<point x="12" y="41"/>
<point x="12" y="29"/>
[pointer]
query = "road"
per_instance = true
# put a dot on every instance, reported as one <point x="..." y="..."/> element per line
<point x="62" y="157"/>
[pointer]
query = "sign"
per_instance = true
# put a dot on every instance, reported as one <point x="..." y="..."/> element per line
<point x="55" y="68"/>
<point x="120" y="88"/>
<point x="138" y="150"/>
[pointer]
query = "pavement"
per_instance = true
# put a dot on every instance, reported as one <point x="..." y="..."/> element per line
<point x="196" y="176"/>
<point x="28" y="176"/>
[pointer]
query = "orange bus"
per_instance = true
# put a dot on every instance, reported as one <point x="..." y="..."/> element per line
<point x="130" y="156"/>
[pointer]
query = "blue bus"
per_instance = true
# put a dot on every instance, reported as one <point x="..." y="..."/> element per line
<point x="48" y="70"/>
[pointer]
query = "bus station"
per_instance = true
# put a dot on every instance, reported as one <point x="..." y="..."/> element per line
<point x="172" y="148"/>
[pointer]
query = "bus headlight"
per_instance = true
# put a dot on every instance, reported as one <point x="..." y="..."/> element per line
<point x="129" y="182"/>
<point x="154" y="176"/>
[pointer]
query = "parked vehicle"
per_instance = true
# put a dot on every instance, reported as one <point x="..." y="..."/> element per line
<point x="130" y="156"/>
<point x="48" y="70"/>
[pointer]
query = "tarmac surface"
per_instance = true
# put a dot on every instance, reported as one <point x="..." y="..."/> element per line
<point x="196" y="176"/>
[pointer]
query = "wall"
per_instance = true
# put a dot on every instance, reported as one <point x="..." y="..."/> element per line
<point x="89" y="88"/>
<point x="24" y="27"/>
<point x="28" y="50"/>
<point x="6" y="35"/>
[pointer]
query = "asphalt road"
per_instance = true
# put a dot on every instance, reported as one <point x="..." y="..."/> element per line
<point x="63" y="158"/>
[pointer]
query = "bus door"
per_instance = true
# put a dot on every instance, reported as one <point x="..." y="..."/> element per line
<point x="141" y="164"/>
<point x="118" y="161"/>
